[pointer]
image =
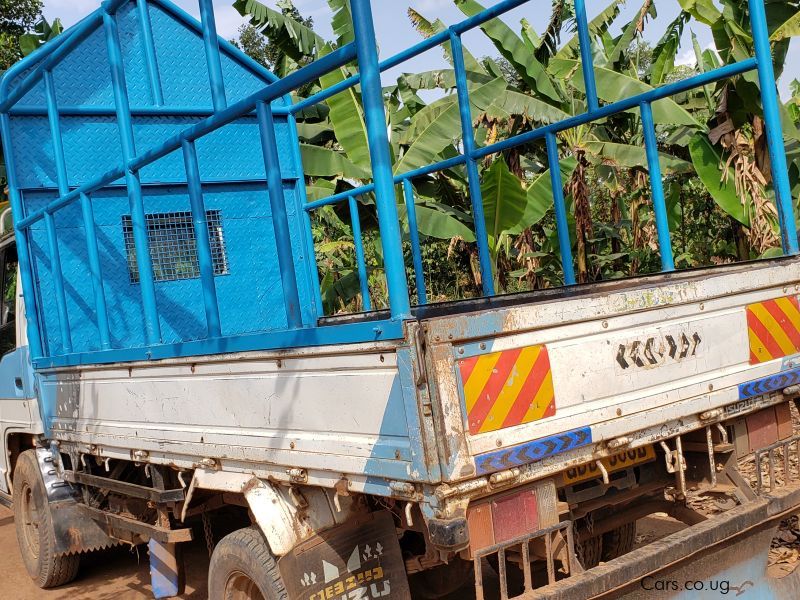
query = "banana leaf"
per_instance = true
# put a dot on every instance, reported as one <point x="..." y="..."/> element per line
<point x="707" y="161"/>
<point x="441" y="126"/>
<point x="324" y="162"/>
<point x="514" y="50"/>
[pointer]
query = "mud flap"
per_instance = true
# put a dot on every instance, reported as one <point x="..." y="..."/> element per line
<point x="360" y="560"/>
<point x="166" y="569"/>
<point x="74" y="531"/>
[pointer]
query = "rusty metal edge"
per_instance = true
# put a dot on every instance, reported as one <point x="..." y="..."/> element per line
<point x="123" y="487"/>
<point x="145" y="530"/>
<point x="672" y="549"/>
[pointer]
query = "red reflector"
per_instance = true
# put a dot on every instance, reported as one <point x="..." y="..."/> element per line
<point x="784" y="415"/>
<point x="762" y="429"/>
<point x="514" y="516"/>
<point x="502" y="519"/>
<point x="481" y="532"/>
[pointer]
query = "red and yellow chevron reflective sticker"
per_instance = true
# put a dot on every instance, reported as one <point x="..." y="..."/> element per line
<point x="507" y="388"/>
<point x="774" y="329"/>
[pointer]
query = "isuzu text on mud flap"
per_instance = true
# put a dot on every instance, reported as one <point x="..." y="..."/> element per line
<point x="171" y="370"/>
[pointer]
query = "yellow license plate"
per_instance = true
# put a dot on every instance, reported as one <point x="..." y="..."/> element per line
<point x="617" y="462"/>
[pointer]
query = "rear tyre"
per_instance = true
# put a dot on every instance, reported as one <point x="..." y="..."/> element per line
<point x="619" y="541"/>
<point x="34" y="524"/>
<point x="243" y="568"/>
<point x="589" y="551"/>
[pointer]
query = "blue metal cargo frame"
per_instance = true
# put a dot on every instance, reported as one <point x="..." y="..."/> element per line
<point x="274" y="100"/>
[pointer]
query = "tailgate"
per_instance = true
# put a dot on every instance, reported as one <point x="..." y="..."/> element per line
<point x="547" y="382"/>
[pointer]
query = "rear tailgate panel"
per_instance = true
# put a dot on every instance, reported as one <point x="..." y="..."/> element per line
<point x="619" y="364"/>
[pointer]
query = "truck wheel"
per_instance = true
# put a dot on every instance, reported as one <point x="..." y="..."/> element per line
<point x="619" y="541"/>
<point x="243" y="568"/>
<point x="34" y="524"/>
<point x="589" y="551"/>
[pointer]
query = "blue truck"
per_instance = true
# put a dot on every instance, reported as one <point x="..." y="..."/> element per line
<point x="170" y="371"/>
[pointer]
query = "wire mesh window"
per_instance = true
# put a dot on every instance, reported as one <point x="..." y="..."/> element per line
<point x="173" y="245"/>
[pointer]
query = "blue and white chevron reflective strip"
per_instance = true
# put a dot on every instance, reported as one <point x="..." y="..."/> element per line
<point x="529" y="452"/>
<point x="765" y="385"/>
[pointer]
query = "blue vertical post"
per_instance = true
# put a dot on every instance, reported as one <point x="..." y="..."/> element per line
<point x="380" y="159"/>
<point x="280" y="220"/>
<point x="473" y="177"/>
<point x="151" y="61"/>
<point x="55" y="134"/>
<point x="311" y="262"/>
<point x="361" y="261"/>
<point x="657" y="188"/>
<point x="205" y="260"/>
<point x="49" y="220"/>
<point x="23" y="249"/>
<point x="562" y="225"/>
<point x="772" y="124"/>
<point x="587" y="60"/>
<point x="58" y="282"/>
<point x="144" y="262"/>
<point x="416" y="249"/>
<point x="94" y="269"/>
<point x="212" y="55"/>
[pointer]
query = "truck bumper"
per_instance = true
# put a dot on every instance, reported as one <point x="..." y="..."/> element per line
<point x="725" y="555"/>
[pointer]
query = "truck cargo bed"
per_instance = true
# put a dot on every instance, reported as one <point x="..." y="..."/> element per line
<point x="636" y="362"/>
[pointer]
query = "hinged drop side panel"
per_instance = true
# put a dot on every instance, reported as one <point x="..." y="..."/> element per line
<point x="549" y="385"/>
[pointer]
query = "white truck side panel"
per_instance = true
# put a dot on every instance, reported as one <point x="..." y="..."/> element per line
<point x="337" y="410"/>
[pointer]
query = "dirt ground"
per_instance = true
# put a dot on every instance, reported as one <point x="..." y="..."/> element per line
<point x="122" y="574"/>
<point x="118" y="574"/>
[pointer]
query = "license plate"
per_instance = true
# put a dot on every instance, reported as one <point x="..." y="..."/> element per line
<point x="617" y="462"/>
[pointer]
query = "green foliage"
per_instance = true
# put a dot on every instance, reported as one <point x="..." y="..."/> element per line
<point x="17" y="17"/>
<point x="603" y="165"/>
